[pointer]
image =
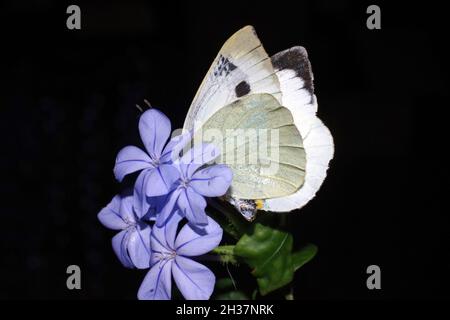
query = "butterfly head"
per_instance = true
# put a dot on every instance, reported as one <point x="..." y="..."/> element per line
<point x="247" y="207"/>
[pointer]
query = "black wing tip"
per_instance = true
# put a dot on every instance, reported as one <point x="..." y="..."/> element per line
<point x="296" y="59"/>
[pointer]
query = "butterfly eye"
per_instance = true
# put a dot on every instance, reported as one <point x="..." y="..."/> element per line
<point x="247" y="208"/>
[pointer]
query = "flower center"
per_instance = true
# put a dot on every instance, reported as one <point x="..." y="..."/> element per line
<point x="155" y="161"/>
<point x="184" y="182"/>
<point x="165" y="256"/>
<point x="130" y="223"/>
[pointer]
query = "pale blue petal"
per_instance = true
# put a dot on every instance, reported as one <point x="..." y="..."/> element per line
<point x="140" y="202"/>
<point x="163" y="238"/>
<point x="168" y="208"/>
<point x="171" y="228"/>
<point x="192" y="206"/>
<point x="120" y="247"/>
<point x="154" y="128"/>
<point x="139" y="246"/>
<point x="110" y="216"/>
<point x="197" y="157"/>
<point x="161" y="180"/>
<point x="157" y="284"/>
<point x="156" y="206"/>
<point x="126" y="209"/>
<point x="158" y="246"/>
<point x="192" y="243"/>
<point x="194" y="280"/>
<point x="212" y="181"/>
<point x="172" y="150"/>
<point x="130" y="159"/>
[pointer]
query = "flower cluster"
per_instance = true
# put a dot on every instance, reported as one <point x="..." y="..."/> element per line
<point x="171" y="186"/>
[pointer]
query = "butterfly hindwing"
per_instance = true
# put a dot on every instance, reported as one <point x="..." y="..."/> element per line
<point x="260" y="143"/>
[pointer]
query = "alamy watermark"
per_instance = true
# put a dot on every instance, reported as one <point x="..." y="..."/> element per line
<point x="74" y="279"/>
<point x="374" y="20"/>
<point x="237" y="147"/>
<point x="74" y="20"/>
<point x="374" y="280"/>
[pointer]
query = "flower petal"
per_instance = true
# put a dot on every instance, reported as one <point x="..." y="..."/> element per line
<point x="195" y="281"/>
<point x="158" y="247"/>
<point x="192" y="243"/>
<point x="110" y="216"/>
<point x="192" y="206"/>
<point x="197" y="157"/>
<point x="168" y="208"/>
<point x="139" y="246"/>
<point x="140" y="202"/>
<point x="155" y="129"/>
<point x="120" y="247"/>
<point x="212" y="181"/>
<point x="172" y="150"/>
<point x="126" y="208"/>
<point x="161" y="180"/>
<point x="157" y="284"/>
<point x="163" y="238"/>
<point x="154" y="204"/>
<point x="130" y="159"/>
<point x="171" y="228"/>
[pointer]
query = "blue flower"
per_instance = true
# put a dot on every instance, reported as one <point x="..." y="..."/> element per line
<point x="171" y="255"/>
<point x="169" y="187"/>
<point x="131" y="245"/>
<point x="195" y="182"/>
<point x="157" y="175"/>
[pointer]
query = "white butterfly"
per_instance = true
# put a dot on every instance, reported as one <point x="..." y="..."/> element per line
<point x="244" y="87"/>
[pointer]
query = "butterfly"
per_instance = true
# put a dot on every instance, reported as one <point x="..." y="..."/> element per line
<point x="246" y="94"/>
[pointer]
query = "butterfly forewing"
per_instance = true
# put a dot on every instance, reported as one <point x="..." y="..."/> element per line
<point x="242" y="67"/>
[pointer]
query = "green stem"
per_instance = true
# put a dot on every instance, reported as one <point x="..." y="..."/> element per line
<point x="226" y="254"/>
<point x="224" y="250"/>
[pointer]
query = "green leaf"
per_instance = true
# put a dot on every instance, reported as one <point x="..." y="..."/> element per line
<point x="232" y="295"/>
<point x="268" y="252"/>
<point x="303" y="256"/>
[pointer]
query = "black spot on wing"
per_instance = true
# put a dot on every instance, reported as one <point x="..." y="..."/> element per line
<point x="242" y="89"/>
<point x="231" y="66"/>
<point x="296" y="59"/>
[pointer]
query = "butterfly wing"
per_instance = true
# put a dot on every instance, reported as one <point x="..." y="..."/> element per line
<point x="294" y="73"/>
<point x="242" y="67"/>
<point x="261" y="144"/>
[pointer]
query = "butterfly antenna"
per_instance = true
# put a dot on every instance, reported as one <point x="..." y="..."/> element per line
<point x="148" y="103"/>
<point x="139" y="108"/>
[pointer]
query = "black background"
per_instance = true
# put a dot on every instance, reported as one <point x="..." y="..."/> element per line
<point x="67" y="106"/>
